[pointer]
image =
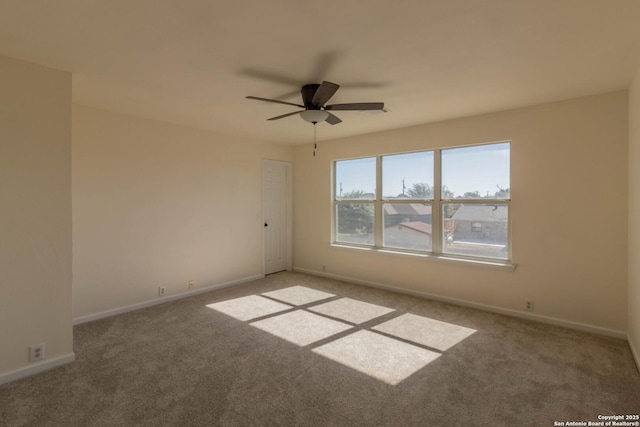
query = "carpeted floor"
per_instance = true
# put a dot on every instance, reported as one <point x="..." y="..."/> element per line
<point x="293" y="349"/>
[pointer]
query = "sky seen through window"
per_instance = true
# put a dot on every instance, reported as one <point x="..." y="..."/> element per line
<point x="484" y="169"/>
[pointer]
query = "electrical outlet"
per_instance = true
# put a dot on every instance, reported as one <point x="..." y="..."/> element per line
<point x="528" y="305"/>
<point x="36" y="352"/>
<point x="161" y="291"/>
<point x="192" y="284"/>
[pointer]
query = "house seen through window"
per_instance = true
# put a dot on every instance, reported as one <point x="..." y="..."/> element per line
<point x="452" y="202"/>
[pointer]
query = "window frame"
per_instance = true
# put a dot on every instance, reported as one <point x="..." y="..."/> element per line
<point x="389" y="200"/>
<point x="338" y="201"/>
<point x="437" y="203"/>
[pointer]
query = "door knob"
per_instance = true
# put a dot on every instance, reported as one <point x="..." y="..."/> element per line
<point x="266" y="225"/>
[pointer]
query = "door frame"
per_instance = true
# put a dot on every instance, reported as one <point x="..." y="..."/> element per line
<point x="288" y="212"/>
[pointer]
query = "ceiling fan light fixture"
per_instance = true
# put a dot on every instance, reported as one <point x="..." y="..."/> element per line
<point x="314" y="116"/>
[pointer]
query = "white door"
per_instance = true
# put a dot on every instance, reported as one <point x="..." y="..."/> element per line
<point x="276" y="209"/>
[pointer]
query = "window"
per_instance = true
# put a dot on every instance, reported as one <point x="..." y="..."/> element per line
<point x="452" y="202"/>
<point x="407" y="195"/>
<point x="355" y="194"/>
<point x="475" y="201"/>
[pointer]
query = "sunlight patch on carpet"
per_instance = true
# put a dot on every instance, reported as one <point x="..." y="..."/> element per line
<point x="351" y="310"/>
<point x="389" y="351"/>
<point x="422" y="330"/>
<point x="298" y="295"/>
<point x="378" y="356"/>
<point x="249" y="307"/>
<point x="301" y="327"/>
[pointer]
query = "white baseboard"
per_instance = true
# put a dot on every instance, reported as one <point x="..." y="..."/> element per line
<point x="634" y="352"/>
<point x="36" y="368"/>
<point x="464" y="303"/>
<point x="162" y="300"/>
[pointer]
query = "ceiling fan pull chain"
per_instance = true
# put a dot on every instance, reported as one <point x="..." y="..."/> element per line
<point x="315" y="143"/>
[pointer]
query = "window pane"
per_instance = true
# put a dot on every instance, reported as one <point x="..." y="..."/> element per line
<point x="356" y="179"/>
<point x="479" y="230"/>
<point x="407" y="226"/>
<point x="476" y="172"/>
<point x="354" y="223"/>
<point x="408" y="176"/>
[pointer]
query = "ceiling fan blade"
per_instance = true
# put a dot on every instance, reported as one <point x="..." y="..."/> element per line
<point x="324" y="93"/>
<point x="274" y="100"/>
<point x="285" y="115"/>
<point x="356" y="106"/>
<point x="333" y="120"/>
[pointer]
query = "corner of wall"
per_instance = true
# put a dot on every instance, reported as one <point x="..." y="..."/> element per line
<point x="633" y="248"/>
<point x="35" y="195"/>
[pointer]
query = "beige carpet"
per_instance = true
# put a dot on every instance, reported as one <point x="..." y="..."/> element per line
<point x="294" y="349"/>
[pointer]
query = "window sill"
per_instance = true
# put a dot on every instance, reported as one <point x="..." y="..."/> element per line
<point x="492" y="264"/>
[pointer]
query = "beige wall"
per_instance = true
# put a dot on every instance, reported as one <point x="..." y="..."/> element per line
<point x="569" y="210"/>
<point x="156" y="204"/>
<point x="35" y="214"/>
<point x="633" y="323"/>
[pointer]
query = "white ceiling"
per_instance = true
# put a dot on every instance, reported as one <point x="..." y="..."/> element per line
<point x="192" y="62"/>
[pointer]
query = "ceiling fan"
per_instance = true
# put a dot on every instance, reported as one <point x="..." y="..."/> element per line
<point x="314" y="98"/>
